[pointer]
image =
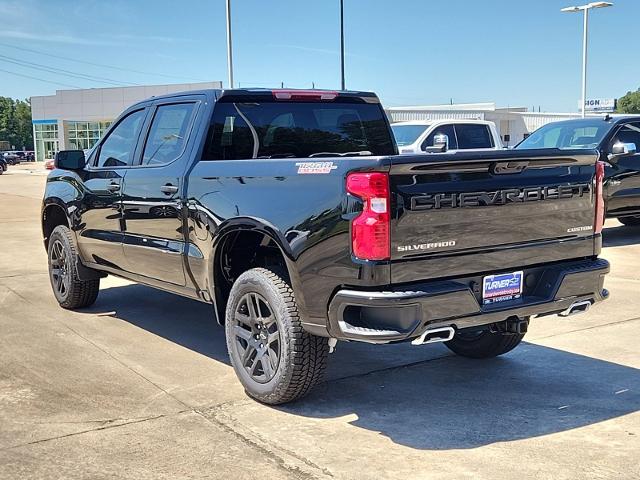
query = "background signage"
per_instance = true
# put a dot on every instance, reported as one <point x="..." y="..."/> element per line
<point x="600" y="105"/>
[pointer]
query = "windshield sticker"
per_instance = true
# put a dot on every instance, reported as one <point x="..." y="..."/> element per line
<point x="305" y="168"/>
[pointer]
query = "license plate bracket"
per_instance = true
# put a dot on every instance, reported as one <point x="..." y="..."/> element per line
<point x="502" y="287"/>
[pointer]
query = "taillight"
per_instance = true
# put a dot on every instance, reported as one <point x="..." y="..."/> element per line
<point x="599" y="197"/>
<point x="370" y="230"/>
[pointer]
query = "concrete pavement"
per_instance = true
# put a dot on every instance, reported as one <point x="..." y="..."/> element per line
<point x="139" y="386"/>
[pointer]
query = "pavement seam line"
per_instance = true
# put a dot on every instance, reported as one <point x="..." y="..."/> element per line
<point x="102" y="427"/>
<point x="281" y="462"/>
<point x="220" y="409"/>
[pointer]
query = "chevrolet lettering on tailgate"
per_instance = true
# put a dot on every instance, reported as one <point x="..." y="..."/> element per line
<point x="499" y="197"/>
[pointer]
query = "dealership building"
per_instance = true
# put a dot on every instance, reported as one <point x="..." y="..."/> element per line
<point x="76" y="119"/>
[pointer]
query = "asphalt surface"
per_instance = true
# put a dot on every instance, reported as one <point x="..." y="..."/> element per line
<point x="139" y="386"/>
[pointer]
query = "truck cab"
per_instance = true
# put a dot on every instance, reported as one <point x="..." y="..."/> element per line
<point x="418" y="136"/>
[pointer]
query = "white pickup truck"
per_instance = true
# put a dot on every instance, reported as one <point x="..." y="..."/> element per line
<point x="418" y="135"/>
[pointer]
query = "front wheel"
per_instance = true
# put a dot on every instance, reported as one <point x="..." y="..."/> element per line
<point x="630" y="221"/>
<point x="483" y="343"/>
<point x="274" y="358"/>
<point x="70" y="291"/>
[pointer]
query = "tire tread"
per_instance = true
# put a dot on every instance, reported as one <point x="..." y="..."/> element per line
<point x="308" y="353"/>
<point x="82" y="293"/>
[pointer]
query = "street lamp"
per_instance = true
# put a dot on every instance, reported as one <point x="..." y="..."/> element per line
<point x="229" y="47"/>
<point x="585" y="9"/>
<point x="342" y="84"/>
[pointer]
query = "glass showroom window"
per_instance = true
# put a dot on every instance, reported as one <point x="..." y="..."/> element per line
<point x="46" y="140"/>
<point x="84" y="135"/>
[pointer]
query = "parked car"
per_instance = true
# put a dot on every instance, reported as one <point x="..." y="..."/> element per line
<point x="418" y="135"/>
<point x="11" y="158"/>
<point x="49" y="164"/>
<point x="292" y="214"/>
<point x="3" y="165"/>
<point x="615" y="139"/>
<point x="27" y="155"/>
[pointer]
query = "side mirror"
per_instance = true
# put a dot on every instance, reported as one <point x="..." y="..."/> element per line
<point x="70" y="160"/>
<point x="440" y="144"/>
<point x="622" y="150"/>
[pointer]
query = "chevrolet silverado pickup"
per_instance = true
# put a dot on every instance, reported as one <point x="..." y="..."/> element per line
<point x="616" y="139"/>
<point x="291" y="212"/>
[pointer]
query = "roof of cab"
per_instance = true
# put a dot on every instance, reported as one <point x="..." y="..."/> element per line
<point x="215" y="94"/>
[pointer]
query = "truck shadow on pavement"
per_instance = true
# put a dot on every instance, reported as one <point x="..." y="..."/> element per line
<point x="620" y="236"/>
<point x="420" y="397"/>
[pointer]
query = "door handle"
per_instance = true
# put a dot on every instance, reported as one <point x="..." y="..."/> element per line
<point x="169" y="189"/>
<point x="113" y="187"/>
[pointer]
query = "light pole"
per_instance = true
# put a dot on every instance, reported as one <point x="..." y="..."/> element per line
<point x="585" y="33"/>
<point x="342" y="87"/>
<point x="229" y="47"/>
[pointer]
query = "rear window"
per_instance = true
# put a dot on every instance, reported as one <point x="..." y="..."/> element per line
<point x="472" y="136"/>
<point x="296" y="130"/>
<point x="407" y="134"/>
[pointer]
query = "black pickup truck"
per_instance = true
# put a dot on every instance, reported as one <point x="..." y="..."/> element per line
<point x="616" y="138"/>
<point x="291" y="212"/>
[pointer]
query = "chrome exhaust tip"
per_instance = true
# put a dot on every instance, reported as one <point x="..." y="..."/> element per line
<point x="576" y="308"/>
<point x="435" y="335"/>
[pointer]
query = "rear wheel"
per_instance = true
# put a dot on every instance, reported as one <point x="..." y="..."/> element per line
<point x="274" y="358"/>
<point x="70" y="291"/>
<point x="482" y="343"/>
<point x="630" y="221"/>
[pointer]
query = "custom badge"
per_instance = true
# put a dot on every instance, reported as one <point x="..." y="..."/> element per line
<point x="307" y="168"/>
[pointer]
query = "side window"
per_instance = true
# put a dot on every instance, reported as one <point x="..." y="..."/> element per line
<point x="118" y="148"/>
<point x="473" y="136"/>
<point x="229" y="137"/>
<point x="629" y="133"/>
<point x="168" y="133"/>
<point x="446" y="130"/>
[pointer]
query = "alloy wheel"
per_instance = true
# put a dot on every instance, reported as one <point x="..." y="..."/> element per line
<point x="59" y="268"/>
<point x="257" y="337"/>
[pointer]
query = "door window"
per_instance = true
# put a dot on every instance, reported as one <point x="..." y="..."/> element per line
<point x="472" y="136"/>
<point x="118" y="148"/>
<point x="168" y="134"/>
<point x="442" y="130"/>
<point x="629" y="133"/>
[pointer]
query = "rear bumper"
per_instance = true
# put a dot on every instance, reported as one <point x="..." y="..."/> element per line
<point x="406" y="311"/>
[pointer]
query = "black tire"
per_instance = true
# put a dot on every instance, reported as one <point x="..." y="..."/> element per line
<point x="274" y="358"/>
<point x="630" y="221"/>
<point x="482" y="343"/>
<point x="69" y="290"/>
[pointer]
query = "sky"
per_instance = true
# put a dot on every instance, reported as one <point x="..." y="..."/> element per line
<point x="411" y="52"/>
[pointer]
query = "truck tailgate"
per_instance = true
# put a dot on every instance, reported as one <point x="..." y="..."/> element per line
<point x="488" y="212"/>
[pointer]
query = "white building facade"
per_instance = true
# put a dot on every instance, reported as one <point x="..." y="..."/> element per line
<point x="76" y="119"/>
<point x="513" y="124"/>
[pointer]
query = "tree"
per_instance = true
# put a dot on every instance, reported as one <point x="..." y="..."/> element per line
<point x="630" y="103"/>
<point x="15" y="123"/>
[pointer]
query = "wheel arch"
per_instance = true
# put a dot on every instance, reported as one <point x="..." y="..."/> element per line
<point x="266" y="243"/>
<point x="53" y="213"/>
